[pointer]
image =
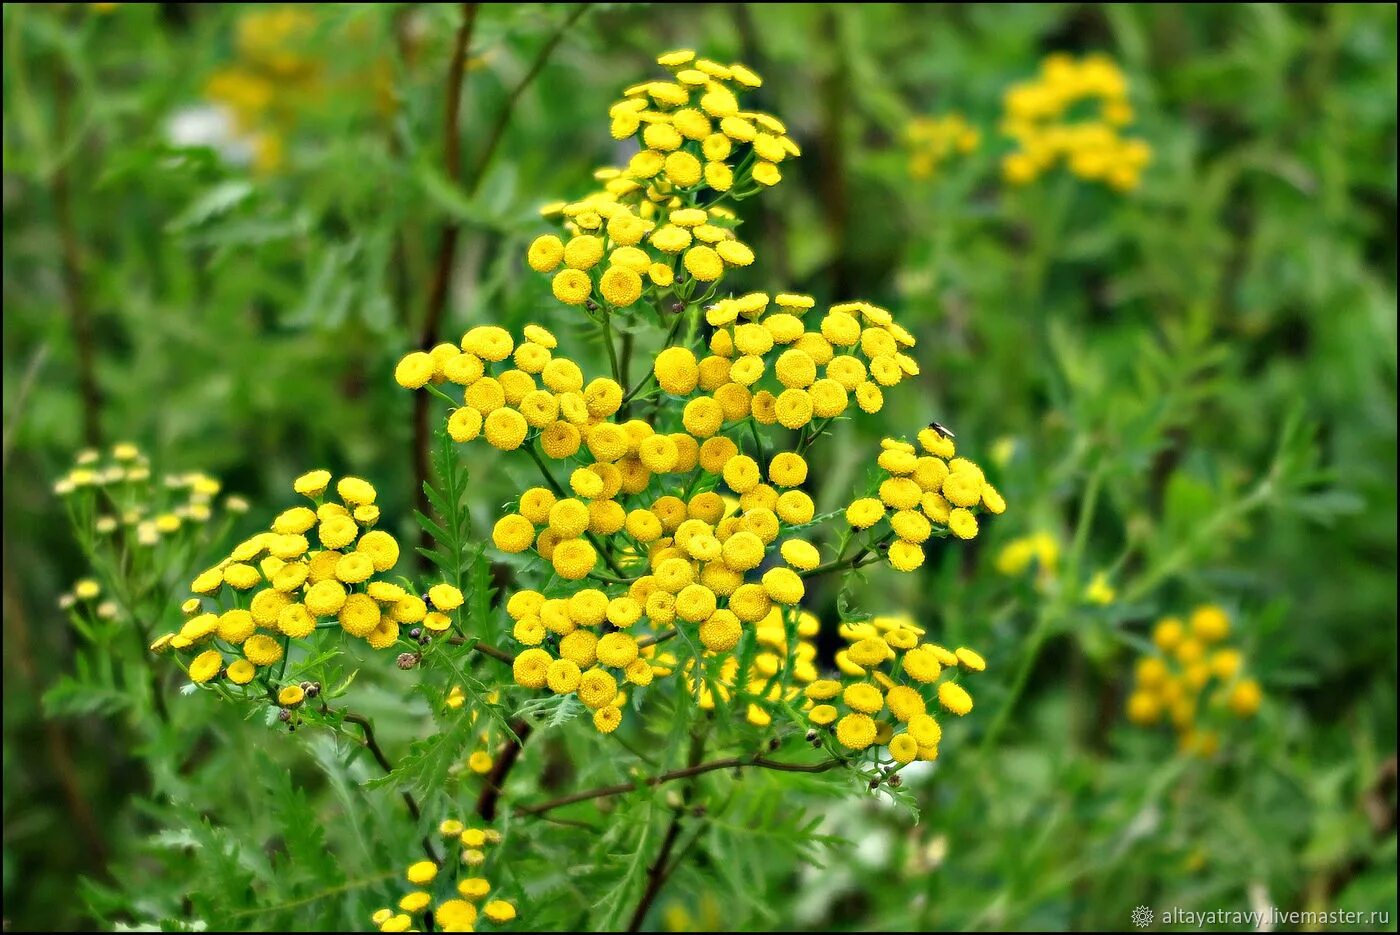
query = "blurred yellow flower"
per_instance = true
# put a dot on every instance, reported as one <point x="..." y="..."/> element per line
<point x="931" y="141"/>
<point x="1036" y="115"/>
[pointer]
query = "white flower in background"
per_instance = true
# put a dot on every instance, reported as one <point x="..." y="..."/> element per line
<point x="213" y="126"/>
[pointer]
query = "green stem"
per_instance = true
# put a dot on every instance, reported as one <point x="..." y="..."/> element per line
<point x="692" y="316"/>
<point x="734" y="762"/>
<point x="500" y="655"/>
<point x="757" y="446"/>
<point x="1048" y="221"/>
<point x="662" y="867"/>
<point x="694" y="482"/>
<point x="809" y="439"/>
<point x="612" y="351"/>
<point x="656" y="638"/>
<point x="1051" y="612"/>
<point x="866" y="556"/>
<point x="286" y="652"/>
<point x="632" y="393"/>
<point x="504" y="116"/>
<point x="372" y="745"/>
<point x="651" y="371"/>
<point x="483" y="647"/>
<point x="1207" y="532"/>
<point x="533" y="451"/>
<point x="626" y="362"/>
<point x="596" y="576"/>
<point x="1029" y="654"/>
<point x="1087" y="506"/>
<point x="440" y="395"/>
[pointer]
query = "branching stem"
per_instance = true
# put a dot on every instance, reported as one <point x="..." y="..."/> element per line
<point x="733" y="762"/>
<point x="371" y="744"/>
<point x="866" y="556"/>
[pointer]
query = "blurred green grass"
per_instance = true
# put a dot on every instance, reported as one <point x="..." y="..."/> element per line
<point x="246" y="324"/>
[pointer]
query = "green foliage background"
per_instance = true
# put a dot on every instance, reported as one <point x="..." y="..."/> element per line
<point x="1196" y="384"/>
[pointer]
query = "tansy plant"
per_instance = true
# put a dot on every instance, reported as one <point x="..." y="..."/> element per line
<point x="139" y="531"/>
<point x="320" y="566"/>
<point x="672" y="510"/>
<point x="659" y="566"/>
<point x="270" y="78"/>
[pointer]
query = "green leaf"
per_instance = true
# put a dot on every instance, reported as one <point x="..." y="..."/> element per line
<point x="68" y="697"/>
<point x="451" y="200"/>
<point x="846" y="609"/>
<point x="220" y="199"/>
<point x="428" y="763"/>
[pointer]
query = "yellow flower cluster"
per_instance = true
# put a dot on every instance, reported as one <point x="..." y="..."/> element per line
<point x="769" y="366"/>
<point x="697" y="556"/>
<point x="889" y="679"/>
<point x="84" y="598"/>
<point x="684" y="525"/>
<point x="280" y="76"/>
<point x="613" y="257"/>
<point x="924" y="494"/>
<point x="659" y="221"/>
<point x="583" y="663"/>
<point x="1039" y="548"/>
<point x="113" y="495"/>
<point x="773" y="675"/>
<point x="278" y="586"/>
<point x="505" y="404"/>
<point x="270" y="78"/>
<point x="697" y="115"/>
<point x="1193" y="670"/>
<point x="455" y="892"/>
<point x="931" y="141"/>
<point x="1040" y="116"/>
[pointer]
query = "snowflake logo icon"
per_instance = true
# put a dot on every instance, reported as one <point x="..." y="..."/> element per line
<point x="1142" y="917"/>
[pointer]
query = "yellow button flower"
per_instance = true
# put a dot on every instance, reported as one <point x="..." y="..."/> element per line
<point x="572" y="286"/>
<point x="545" y="253"/>
<point x="954" y="697"/>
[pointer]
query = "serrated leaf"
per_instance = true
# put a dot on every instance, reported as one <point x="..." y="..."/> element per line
<point x="68" y="697"/>
<point x="428" y="762"/>
<point x="430" y="527"/>
<point x="846" y="608"/>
